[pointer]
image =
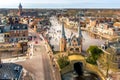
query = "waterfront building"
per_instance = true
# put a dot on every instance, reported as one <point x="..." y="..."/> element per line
<point x="72" y="44"/>
<point x="2" y="40"/>
<point x="109" y="62"/>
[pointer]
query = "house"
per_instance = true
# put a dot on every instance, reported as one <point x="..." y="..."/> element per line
<point x="10" y="71"/>
<point x="7" y="33"/>
<point x="110" y="60"/>
<point x="18" y="33"/>
<point x="2" y="40"/>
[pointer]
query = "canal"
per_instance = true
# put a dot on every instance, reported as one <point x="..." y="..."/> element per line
<point x="55" y="36"/>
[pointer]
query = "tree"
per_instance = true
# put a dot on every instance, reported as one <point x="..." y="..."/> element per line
<point x="63" y="61"/>
<point x="94" y="53"/>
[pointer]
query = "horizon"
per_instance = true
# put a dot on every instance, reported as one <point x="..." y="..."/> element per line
<point x="55" y="4"/>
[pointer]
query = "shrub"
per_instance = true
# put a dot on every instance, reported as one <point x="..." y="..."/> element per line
<point x="94" y="54"/>
<point x="63" y="61"/>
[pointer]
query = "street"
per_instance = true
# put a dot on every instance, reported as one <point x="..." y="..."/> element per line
<point x="39" y="65"/>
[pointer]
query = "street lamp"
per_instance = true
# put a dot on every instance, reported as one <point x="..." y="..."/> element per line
<point x="107" y="72"/>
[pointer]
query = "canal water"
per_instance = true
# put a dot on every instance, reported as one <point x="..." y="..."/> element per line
<point x="86" y="76"/>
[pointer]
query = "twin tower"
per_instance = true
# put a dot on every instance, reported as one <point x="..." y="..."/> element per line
<point x="73" y="44"/>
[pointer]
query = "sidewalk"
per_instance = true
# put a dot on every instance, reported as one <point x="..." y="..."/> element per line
<point x="14" y="60"/>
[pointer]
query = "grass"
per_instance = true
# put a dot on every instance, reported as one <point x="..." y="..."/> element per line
<point x="76" y="57"/>
<point x="56" y="52"/>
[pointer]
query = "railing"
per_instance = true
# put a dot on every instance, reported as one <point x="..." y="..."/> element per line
<point x="50" y="50"/>
<point x="10" y="49"/>
<point x="95" y="69"/>
<point x="68" y="68"/>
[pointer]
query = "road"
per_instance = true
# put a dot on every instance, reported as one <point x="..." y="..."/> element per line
<point x="53" y="32"/>
<point x="39" y="65"/>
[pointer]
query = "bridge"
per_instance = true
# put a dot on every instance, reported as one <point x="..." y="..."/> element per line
<point x="86" y="66"/>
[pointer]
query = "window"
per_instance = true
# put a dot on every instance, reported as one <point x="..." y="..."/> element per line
<point x="71" y="49"/>
<point x="74" y="40"/>
<point x="23" y="34"/>
<point x="7" y="35"/>
<point x="77" y="49"/>
<point x="21" y="31"/>
<point x="119" y="65"/>
<point x="24" y="27"/>
<point x="17" y="26"/>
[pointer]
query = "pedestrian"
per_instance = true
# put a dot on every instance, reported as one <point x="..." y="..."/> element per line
<point x="35" y="49"/>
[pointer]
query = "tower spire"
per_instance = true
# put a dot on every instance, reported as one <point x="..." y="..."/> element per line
<point x="20" y="9"/>
<point x="63" y="31"/>
<point x="20" y="6"/>
<point x="79" y="28"/>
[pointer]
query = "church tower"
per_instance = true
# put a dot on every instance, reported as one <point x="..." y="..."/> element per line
<point x="63" y="39"/>
<point x="20" y="10"/>
<point x="80" y="37"/>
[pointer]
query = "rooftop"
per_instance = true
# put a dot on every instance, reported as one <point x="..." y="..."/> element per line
<point x="18" y="26"/>
<point x="10" y="71"/>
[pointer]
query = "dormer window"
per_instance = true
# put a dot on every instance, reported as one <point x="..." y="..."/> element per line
<point x="12" y="27"/>
<point x="17" y="26"/>
<point x="24" y="27"/>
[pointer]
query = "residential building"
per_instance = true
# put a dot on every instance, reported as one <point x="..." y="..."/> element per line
<point x="7" y="33"/>
<point x="110" y="60"/>
<point x="18" y="33"/>
<point x="10" y="71"/>
<point x="2" y="40"/>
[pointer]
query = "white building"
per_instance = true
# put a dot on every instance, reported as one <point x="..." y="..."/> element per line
<point x="2" y="40"/>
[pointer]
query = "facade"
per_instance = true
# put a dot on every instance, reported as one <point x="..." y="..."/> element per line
<point x="63" y="40"/>
<point x="14" y="35"/>
<point x="7" y="33"/>
<point x="112" y="50"/>
<point x="72" y="44"/>
<point x="2" y="40"/>
<point x="18" y="32"/>
<point x="110" y="60"/>
<point x="10" y="71"/>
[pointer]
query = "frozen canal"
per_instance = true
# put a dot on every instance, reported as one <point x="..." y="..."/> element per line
<point x="55" y="33"/>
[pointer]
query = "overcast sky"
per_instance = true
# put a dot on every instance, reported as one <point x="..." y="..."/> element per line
<point x="60" y="3"/>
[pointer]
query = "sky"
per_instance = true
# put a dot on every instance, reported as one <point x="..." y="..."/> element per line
<point x="60" y="3"/>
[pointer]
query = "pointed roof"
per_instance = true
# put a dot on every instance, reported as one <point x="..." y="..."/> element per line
<point x="79" y="30"/>
<point x="20" y="6"/>
<point x="63" y="31"/>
